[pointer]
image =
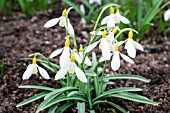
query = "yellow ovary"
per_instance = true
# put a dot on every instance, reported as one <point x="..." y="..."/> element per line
<point x="115" y="30"/>
<point x="117" y="10"/>
<point x="67" y="42"/>
<point x="104" y="34"/>
<point x="80" y="49"/>
<point x="130" y="35"/>
<point x="111" y="10"/>
<point x="72" y="59"/>
<point x="34" y="61"/>
<point x="64" y="13"/>
<point x="116" y="47"/>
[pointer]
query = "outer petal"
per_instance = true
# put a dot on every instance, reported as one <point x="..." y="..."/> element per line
<point x="105" y="20"/>
<point x="28" y="72"/>
<point x="56" y="52"/>
<point x="130" y="48"/>
<point x="77" y="57"/>
<point x="51" y="22"/>
<point x="167" y="15"/>
<point x="81" y="54"/>
<point x="110" y="37"/>
<point x="70" y="29"/>
<point x="61" y="73"/>
<point x="99" y="33"/>
<point x="80" y="74"/>
<point x="138" y="46"/>
<point x="92" y="46"/>
<point x="111" y="22"/>
<point x="87" y="61"/>
<point x="82" y="8"/>
<point x="121" y="42"/>
<point x="126" y="58"/>
<point x="124" y="20"/>
<point x="65" y="57"/>
<point x="115" y="63"/>
<point x="98" y="1"/>
<point x="105" y="50"/>
<point x="91" y="1"/>
<point x="43" y="72"/>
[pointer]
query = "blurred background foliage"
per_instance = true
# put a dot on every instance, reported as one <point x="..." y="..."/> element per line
<point x="142" y="13"/>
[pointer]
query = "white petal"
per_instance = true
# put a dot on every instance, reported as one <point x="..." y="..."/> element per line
<point x="71" y="68"/>
<point x="51" y="22"/>
<point x="105" y="20"/>
<point x="77" y="57"/>
<point x="115" y="63"/>
<point x="111" y="22"/>
<point x="56" y="53"/>
<point x="130" y="48"/>
<point x="99" y="33"/>
<point x="124" y="20"/>
<point x="138" y="46"/>
<point x="82" y="8"/>
<point x="105" y="50"/>
<point x="28" y="72"/>
<point x="87" y="61"/>
<point x="61" y="73"/>
<point x="80" y="74"/>
<point x="65" y="57"/>
<point x="92" y="46"/>
<point x="126" y="58"/>
<point x="70" y="29"/>
<point x="167" y="15"/>
<point x="121" y="42"/>
<point x="81" y="55"/>
<point x="98" y="1"/>
<point x="43" y="72"/>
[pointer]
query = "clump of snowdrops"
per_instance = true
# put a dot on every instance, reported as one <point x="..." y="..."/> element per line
<point x="83" y="79"/>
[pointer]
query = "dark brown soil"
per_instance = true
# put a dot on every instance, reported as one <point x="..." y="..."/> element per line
<point x="20" y="36"/>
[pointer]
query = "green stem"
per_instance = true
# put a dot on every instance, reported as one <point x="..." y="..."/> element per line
<point x="89" y="95"/>
<point x="68" y="79"/>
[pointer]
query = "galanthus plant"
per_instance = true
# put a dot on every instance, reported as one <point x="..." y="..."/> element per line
<point x="84" y="80"/>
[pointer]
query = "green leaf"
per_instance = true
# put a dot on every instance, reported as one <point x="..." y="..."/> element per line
<point x="117" y="90"/>
<point x="92" y="111"/>
<point x="134" y="97"/>
<point x="113" y="104"/>
<point x="48" y="67"/>
<point x="90" y="73"/>
<point x="53" y="108"/>
<point x="73" y="93"/>
<point x="64" y="107"/>
<point x="37" y="87"/>
<point x="81" y="107"/>
<point x="60" y="99"/>
<point x="126" y="76"/>
<point x="31" y="99"/>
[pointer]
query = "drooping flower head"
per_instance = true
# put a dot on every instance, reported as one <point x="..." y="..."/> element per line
<point x="167" y="15"/>
<point x="71" y="68"/>
<point x="33" y="69"/>
<point x="115" y="63"/>
<point x="93" y="1"/>
<point x="104" y="46"/>
<point x="62" y="22"/>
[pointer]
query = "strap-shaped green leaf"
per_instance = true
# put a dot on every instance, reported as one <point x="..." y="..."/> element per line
<point x="64" y="107"/>
<point x="126" y="76"/>
<point x="37" y="87"/>
<point x="53" y="108"/>
<point x="81" y="107"/>
<point x="31" y="99"/>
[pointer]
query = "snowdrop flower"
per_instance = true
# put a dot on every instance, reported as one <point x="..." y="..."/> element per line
<point x="115" y="63"/>
<point x="104" y="46"/>
<point x="110" y="37"/>
<point x="65" y="53"/>
<point x="83" y="11"/>
<point x="72" y="68"/>
<point x="87" y="60"/>
<point x="131" y="45"/>
<point x="62" y="22"/>
<point x="113" y="19"/>
<point x="33" y="69"/>
<point x="167" y="15"/>
<point x="93" y="1"/>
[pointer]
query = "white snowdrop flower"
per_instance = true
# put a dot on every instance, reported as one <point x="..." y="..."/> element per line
<point x="65" y="53"/>
<point x="87" y="60"/>
<point x="33" y="69"/>
<point x="132" y="45"/>
<point x="104" y="46"/>
<point x="115" y="63"/>
<point x="93" y="1"/>
<point x="167" y="15"/>
<point x="83" y="11"/>
<point x="72" y="68"/>
<point x="62" y="22"/>
<point x="110" y="37"/>
<point x="113" y="19"/>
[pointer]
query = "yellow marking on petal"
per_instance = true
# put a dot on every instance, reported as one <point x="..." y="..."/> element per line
<point x="111" y="10"/>
<point x="130" y="35"/>
<point x="80" y="49"/>
<point x="34" y="71"/>
<point x="117" y="10"/>
<point x="104" y="34"/>
<point x="67" y="42"/>
<point x="115" y="30"/>
<point x="71" y="71"/>
<point x="61" y="24"/>
<point x="34" y="61"/>
<point x="100" y="46"/>
<point x="64" y="13"/>
<point x="72" y="59"/>
<point x="116" y="47"/>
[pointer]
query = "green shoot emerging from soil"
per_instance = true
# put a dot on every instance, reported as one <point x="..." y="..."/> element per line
<point x="83" y="80"/>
